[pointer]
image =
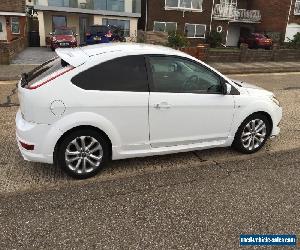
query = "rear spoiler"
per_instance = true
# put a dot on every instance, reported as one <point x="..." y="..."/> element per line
<point x="73" y="56"/>
<point x="27" y="77"/>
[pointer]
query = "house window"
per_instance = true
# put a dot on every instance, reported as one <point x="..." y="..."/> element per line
<point x="1" y="28"/>
<point x="164" y="26"/>
<point x="15" y="25"/>
<point x="193" y="5"/>
<point x="297" y="7"/>
<point x="195" y="30"/>
<point x="113" y="5"/>
<point x="58" y="22"/>
<point x="123" y="25"/>
<point x="58" y="3"/>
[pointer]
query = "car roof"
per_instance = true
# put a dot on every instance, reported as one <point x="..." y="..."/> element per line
<point x="78" y="56"/>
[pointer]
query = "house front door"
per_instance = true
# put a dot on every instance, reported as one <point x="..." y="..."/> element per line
<point x="83" y="25"/>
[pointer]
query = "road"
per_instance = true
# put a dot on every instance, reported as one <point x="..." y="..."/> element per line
<point x="200" y="200"/>
<point x="201" y="207"/>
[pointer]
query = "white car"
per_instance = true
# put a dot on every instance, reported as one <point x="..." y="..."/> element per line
<point x="117" y="101"/>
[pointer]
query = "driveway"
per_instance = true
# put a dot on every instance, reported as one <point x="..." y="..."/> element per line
<point x="34" y="56"/>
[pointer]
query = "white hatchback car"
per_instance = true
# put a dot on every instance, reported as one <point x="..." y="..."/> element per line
<point x="116" y="101"/>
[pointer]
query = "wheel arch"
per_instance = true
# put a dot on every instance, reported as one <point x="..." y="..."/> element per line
<point x="264" y="113"/>
<point x="77" y="128"/>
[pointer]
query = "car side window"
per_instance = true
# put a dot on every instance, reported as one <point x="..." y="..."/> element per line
<point x="179" y="75"/>
<point x="121" y="74"/>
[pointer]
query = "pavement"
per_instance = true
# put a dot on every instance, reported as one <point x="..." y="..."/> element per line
<point x="32" y="57"/>
<point x="24" y="62"/>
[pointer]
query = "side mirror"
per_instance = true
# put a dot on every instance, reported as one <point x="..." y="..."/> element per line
<point x="226" y="88"/>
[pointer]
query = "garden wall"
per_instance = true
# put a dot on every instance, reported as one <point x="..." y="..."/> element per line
<point x="8" y="50"/>
<point x="243" y="54"/>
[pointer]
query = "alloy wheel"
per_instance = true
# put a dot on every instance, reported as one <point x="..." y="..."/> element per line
<point x="254" y="134"/>
<point x="83" y="155"/>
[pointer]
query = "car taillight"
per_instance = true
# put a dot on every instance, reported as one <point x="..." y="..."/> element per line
<point x="52" y="77"/>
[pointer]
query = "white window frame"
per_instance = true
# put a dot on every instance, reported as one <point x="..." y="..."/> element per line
<point x="195" y="25"/>
<point x="297" y="10"/>
<point x="165" y="25"/>
<point x="180" y="8"/>
<point x="11" y="25"/>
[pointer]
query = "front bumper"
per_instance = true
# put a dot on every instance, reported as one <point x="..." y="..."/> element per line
<point x="277" y="116"/>
<point x="33" y="134"/>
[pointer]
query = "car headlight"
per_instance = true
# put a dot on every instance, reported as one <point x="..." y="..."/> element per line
<point x="275" y="100"/>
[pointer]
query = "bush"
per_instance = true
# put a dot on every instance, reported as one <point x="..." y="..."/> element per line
<point x="215" y="39"/>
<point x="295" y="42"/>
<point x="177" y="40"/>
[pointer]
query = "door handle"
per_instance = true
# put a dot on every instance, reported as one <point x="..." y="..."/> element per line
<point x="162" y="105"/>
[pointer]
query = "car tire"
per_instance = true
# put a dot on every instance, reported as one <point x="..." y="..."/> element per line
<point x="83" y="153"/>
<point x="252" y="134"/>
<point x="53" y="49"/>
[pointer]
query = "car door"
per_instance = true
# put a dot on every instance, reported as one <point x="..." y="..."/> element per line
<point x="118" y="91"/>
<point x="186" y="105"/>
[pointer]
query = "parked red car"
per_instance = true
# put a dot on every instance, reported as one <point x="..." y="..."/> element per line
<point x="63" y="37"/>
<point x="257" y="40"/>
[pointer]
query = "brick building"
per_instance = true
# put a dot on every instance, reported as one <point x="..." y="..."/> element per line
<point x="280" y="18"/>
<point x="13" y="30"/>
<point x="197" y="18"/>
<point x="12" y="20"/>
<point x="79" y="14"/>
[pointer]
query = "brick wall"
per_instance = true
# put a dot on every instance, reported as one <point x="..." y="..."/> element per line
<point x="274" y="15"/>
<point x="12" y="5"/>
<point x="9" y="50"/>
<point x="23" y="32"/>
<point x="243" y="55"/>
<point x="223" y="56"/>
<point x="156" y="12"/>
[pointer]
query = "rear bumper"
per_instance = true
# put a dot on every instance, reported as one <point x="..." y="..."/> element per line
<point x="33" y="134"/>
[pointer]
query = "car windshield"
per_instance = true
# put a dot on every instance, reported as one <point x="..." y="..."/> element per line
<point x="259" y="35"/>
<point x="98" y="29"/>
<point x="63" y="32"/>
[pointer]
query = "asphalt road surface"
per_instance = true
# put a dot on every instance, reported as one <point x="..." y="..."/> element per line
<point x="199" y="200"/>
<point x="203" y="207"/>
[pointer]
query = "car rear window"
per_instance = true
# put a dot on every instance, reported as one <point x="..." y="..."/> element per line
<point x="121" y="74"/>
<point x="44" y="70"/>
<point x="63" y="32"/>
<point x="98" y="29"/>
